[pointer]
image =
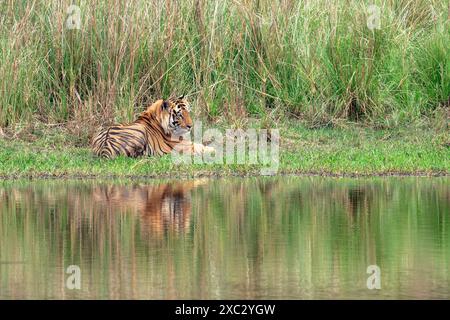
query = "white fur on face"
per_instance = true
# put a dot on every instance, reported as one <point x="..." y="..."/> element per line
<point x="165" y="122"/>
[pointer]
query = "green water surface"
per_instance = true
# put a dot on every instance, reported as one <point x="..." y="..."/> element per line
<point x="252" y="238"/>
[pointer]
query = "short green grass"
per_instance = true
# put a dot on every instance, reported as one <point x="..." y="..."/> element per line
<point x="352" y="150"/>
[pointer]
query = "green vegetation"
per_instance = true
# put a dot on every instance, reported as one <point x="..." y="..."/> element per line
<point x="334" y="151"/>
<point x="316" y="60"/>
<point x="377" y="99"/>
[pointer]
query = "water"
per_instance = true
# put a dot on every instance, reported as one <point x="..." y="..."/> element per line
<point x="255" y="238"/>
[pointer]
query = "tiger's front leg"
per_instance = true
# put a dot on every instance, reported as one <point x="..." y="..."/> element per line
<point x="199" y="149"/>
<point x="193" y="148"/>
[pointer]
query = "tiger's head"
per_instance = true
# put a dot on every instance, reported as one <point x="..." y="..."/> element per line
<point x="174" y="116"/>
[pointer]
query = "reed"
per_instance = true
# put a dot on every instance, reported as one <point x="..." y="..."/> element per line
<point x="315" y="60"/>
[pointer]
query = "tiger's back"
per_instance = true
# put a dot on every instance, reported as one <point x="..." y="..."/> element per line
<point x="127" y="140"/>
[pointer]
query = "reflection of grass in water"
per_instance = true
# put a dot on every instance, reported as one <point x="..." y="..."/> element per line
<point x="320" y="228"/>
<point x="250" y="238"/>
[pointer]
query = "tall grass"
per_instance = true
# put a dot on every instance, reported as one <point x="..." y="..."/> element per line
<point x="314" y="60"/>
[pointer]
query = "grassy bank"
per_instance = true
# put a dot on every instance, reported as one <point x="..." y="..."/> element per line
<point x="378" y="100"/>
<point x="316" y="60"/>
<point x="350" y="151"/>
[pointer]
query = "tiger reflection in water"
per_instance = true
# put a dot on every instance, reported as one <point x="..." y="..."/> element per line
<point x="162" y="208"/>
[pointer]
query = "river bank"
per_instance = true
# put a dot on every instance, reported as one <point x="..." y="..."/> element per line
<point x="346" y="151"/>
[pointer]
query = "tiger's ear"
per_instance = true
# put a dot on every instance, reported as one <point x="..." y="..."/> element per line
<point x="181" y="97"/>
<point x="165" y="105"/>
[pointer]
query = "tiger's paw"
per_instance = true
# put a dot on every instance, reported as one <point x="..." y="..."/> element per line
<point x="207" y="149"/>
<point x="201" y="149"/>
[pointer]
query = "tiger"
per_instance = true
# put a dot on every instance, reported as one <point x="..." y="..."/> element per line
<point x="157" y="131"/>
